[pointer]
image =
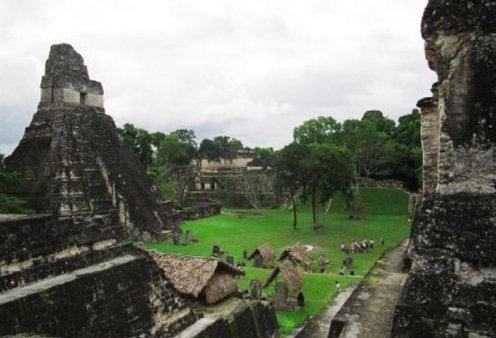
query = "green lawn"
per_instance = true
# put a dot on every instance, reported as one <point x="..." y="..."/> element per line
<point x="384" y="214"/>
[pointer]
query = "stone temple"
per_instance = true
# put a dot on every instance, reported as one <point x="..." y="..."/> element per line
<point x="77" y="166"/>
<point x="451" y="288"/>
<point x="65" y="272"/>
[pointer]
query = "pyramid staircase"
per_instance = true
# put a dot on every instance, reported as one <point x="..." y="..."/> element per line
<point x="99" y="289"/>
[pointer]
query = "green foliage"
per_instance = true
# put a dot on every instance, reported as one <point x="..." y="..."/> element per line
<point x="165" y="156"/>
<point x="230" y="230"/>
<point x="171" y="154"/>
<point x="380" y="149"/>
<point x="220" y="146"/>
<point x="187" y="138"/>
<point x="408" y="160"/>
<point x="11" y="204"/>
<point x="408" y="130"/>
<point x="352" y="200"/>
<point x="382" y="123"/>
<point x="170" y="167"/>
<point x="290" y="168"/>
<point x="140" y="141"/>
<point x="328" y="169"/>
<point x="264" y="152"/>
<point x="369" y="147"/>
<point x="322" y="129"/>
<point x="264" y="157"/>
<point x="209" y="150"/>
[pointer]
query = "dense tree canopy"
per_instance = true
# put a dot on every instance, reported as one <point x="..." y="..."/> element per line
<point x="380" y="149"/>
<point x="290" y="166"/>
<point x="264" y="157"/>
<point x="8" y="203"/>
<point x="322" y="129"/>
<point x="374" y="144"/>
<point x="220" y="146"/>
<point x="408" y="159"/>
<point x="329" y="169"/>
<point x="187" y="138"/>
<point x="382" y="123"/>
<point x="370" y="148"/>
<point x="140" y="141"/>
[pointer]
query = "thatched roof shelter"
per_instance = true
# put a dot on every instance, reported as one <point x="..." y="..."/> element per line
<point x="265" y="251"/>
<point x="290" y="274"/>
<point x="297" y="252"/>
<point x="199" y="277"/>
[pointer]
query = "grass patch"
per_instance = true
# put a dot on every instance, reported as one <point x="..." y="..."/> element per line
<point x="384" y="215"/>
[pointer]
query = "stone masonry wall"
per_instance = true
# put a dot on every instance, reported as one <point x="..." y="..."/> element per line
<point x="66" y="79"/>
<point x="126" y="296"/>
<point x="451" y="288"/>
<point x="430" y="144"/>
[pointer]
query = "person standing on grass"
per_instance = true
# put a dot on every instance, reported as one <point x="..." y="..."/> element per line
<point x="338" y="286"/>
<point x="382" y="240"/>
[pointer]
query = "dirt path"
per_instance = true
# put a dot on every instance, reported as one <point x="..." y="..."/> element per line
<point x="369" y="311"/>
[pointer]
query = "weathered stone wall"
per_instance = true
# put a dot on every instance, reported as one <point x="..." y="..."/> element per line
<point x="126" y="296"/>
<point x="367" y="182"/>
<point x="31" y="237"/>
<point x="66" y="80"/>
<point x="461" y="48"/>
<point x="229" y="199"/>
<point x="202" y="211"/>
<point x="451" y="288"/>
<point x="239" y="162"/>
<point x="235" y="318"/>
<point x="430" y="143"/>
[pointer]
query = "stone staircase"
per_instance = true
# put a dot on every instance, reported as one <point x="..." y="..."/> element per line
<point x="97" y="289"/>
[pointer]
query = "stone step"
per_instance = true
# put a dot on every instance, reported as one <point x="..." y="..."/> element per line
<point x="195" y="329"/>
<point x="47" y="284"/>
<point x="99" y="205"/>
<point x="175" y="323"/>
<point x="107" y="299"/>
<point x="18" y="274"/>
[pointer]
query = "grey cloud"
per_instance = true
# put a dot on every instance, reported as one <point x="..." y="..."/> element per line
<point x="249" y="69"/>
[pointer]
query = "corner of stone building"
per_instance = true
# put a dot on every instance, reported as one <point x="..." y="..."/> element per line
<point x="451" y="286"/>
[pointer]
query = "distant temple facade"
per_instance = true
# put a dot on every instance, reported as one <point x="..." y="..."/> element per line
<point x="221" y="180"/>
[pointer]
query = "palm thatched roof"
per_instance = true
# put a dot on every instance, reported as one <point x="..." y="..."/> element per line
<point x="265" y="251"/>
<point x="290" y="274"/>
<point x="219" y="286"/>
<point x="191" y="274"/>
<point x="297" y="252"/>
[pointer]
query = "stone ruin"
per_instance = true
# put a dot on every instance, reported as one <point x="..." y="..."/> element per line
<point x="76" y="164"/>
<point x="451" y="288"/>
<point x="64" y="273"/>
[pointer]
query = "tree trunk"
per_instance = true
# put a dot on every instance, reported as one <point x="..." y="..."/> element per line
<point x="294" y="212"/>
<point x="314" y="211"/>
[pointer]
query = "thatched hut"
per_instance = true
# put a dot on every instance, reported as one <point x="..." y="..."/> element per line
<point x="290" y="274"/>
<point x="204" y="278"/>
<point x="263" y="256"/>
<point x="298" y="254"/>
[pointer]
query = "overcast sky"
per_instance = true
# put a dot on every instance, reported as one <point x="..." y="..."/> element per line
<point x="249" y="69"/>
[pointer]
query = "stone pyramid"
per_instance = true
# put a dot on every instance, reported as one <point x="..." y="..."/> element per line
<point x="77" y="165"/>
